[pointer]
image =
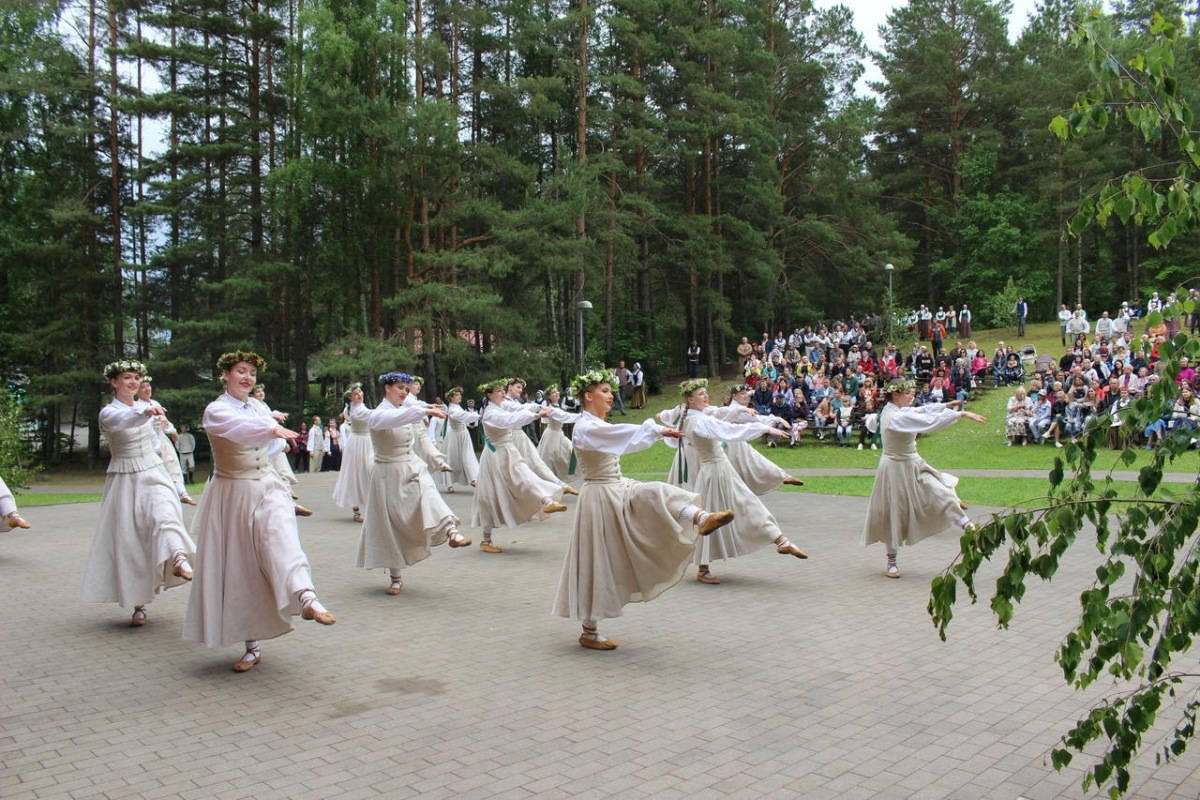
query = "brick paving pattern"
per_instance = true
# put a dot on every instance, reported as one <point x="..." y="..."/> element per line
<point x="817" y="679"/>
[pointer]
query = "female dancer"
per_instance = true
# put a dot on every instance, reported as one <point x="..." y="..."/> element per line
<point x="456" y="444"/>
<point x="720" y="485"/>
<point x="251" y="574"/>
<point x="911" y="500"/>
<point x="525" y="446"/>
<point x="141" y="546"/>
<point x="279" y="461"/>
<point x="759" y="473"/>
<point x="405" y="514"/>
<point x="554" y="448"/>
<point x="163" y="431"/>
<point x="8" y="508"/>
<point x="508" y="492"/>
<point x="631" y="541"/>
<point x="358" y="454"/>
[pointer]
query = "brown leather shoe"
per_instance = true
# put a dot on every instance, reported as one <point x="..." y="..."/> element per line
<point x="322" y="617"/>
<point x="592" y="643"/>
<point x="717" y="519"/>
<point x="488" y="547"/>
<point x="358" y="517"/>
<point x="553" y="508"/>
<point x="570" y="490"/>
<point x="301" y="511"/>
<point x="707" y="577"/>
<point x="183" y="570"/>
<point x="786" y="548"/>
<point x="139" y="618"/>
<point x="15" y="521"/>
<point x="246" y="664"/>
<point x="456" y="539"/>
<point x="791" y="481"/>
<point x="396" y="586"/>
<point x="187" y="500"/>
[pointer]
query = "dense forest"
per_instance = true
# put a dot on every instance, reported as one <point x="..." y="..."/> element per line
<point x="468" y="187"/>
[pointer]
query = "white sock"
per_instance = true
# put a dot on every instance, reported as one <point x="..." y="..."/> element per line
<point x="692" y="515"/>
<point x="963" y="521"/>
<point x="308" y="599"/>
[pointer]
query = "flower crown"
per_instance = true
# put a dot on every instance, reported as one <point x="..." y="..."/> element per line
<point x="416" y="379"/>
<point x="226" y="362"/>
<point x="454" y="390"/>
<point x="350" y="390"/>
<point x="689" y="386"/>
<point x="592" y="378"/>
<point x="898" y="386"/>
<point x="491" y="386"/>
<point x="551" y="388"/>
<point x="147" y="379"/>
<point x="114" y="368"/>
<point x="258" y="387"/>
<point x="515" y="380"/>
<point x="388" y="378"/>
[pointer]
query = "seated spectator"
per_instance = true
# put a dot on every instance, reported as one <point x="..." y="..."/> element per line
<point x="1078" y="414"/>
<point x="1017" y="418"/>
<point x="1058" y="417"/>
<point x="1041" y="417"/>
<point x="868" y="424"/>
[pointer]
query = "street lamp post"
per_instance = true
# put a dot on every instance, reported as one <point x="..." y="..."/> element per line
<point x="889" y="269"/>
<point x="891" y="305"/>
<point x="580" y="307"/>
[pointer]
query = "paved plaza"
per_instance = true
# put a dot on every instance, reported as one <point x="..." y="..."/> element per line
<point x="816" y="679"/>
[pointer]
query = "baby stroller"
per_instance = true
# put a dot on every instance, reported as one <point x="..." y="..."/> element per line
<point x="1028" y="357"/>
<point x="1012" y="373"/>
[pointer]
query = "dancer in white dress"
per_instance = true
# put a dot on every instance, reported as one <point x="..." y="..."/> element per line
<point x="405" y="514"/>
<point x="910" y="499"/>
<point x="456" y="444"/>
<point x="525" y="446"/>
<point x="279" y="461"/>
<point x="423" y="442"/>
<point x="251" y="574"/>
<point x="719" y="484"/>
<point x="163" y="431"/>
<point x="761" y="474"/>
<point x="141" y="545"/>
<point x="358" y="454"/>
<point x="508" y="493"/>
<point x="9" y="514"/>
<point x="631" y="541"/>
<point x="554" y="447"/>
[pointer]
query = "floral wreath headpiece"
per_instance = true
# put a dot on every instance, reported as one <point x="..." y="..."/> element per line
<point x="416" y="379"/>
<point x="258" y="387"/>
<point x="739" y="388"/>
<point x="147" y="378"/>
<point x="689" y="386"/>
<point x="898" y="386"/>
<point x="227" y="361"/>
<point x="515" y="380"/>
<point x="388" y="378"/>
<point x="114" y="368"/>
<point x="551" y="388"/>
<point x="491" y="386"/>
<point x="454" y="390"/>
<point x="350" y="390"/>
<point x="596" y="376"/>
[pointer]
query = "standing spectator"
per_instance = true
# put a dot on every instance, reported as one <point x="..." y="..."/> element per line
<point x="1064" y="317"/>
<point x="693" y="357"/>
<point x="952" y="322"/>
<point x="624" y="386"/>
<point x="964" y="322"/>
<point x="638" y="379"/>
<point x="185" y="445"/>
<point x="1104" y="326"/>
<point x="316" y="445"/>
<point x="301" y="444"/>
<point x="1021" y="309"/>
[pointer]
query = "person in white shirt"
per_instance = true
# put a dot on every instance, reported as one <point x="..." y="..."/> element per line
<point x="185" y="445"/>
<point x="316" y="445"/>
<point x="1064" y="317"/>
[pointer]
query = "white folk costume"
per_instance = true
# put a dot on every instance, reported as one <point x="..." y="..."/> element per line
<point x="140" y="535"/>
<point x="628" y="543"/>
<point x="760" y="474"/>
<point x="685" y="465"/>
<point x="910" y="499"/>
<point x="251" y="570"/>
<point x="405" y="513"/>
<point x="422" y="442"/>
<point x="554" y="448"/>
<point x="508" y="492"/>
<point x="456" y="444"/>
<point x="279" y="461"/>
<point x="358" y="458"/>
<point x="525" y="445"/>
<point x="163" y="431"/>
<point x="753" y="527"/>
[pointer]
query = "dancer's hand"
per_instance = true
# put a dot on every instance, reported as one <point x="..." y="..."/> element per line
<point x="284" y="433"/>
<point x="436" y="412"/>
<point x="971" y="415"/>
<point x="672" y="433"/>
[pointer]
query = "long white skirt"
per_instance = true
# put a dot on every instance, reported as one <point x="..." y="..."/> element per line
<point x="405" y="516"/>
<point x="354" y="480"/>
<point x="508" y="493"/>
